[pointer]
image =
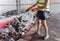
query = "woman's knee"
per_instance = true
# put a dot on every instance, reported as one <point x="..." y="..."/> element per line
<point x="44" y="23"/>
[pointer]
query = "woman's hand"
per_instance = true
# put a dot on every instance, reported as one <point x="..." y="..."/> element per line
<point x="29" y="9"/>
<point x="34" y="9"/>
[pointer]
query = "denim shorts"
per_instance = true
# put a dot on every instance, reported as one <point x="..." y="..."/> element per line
<point x="41" y="15"/>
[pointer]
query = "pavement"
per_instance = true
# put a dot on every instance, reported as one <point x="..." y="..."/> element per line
<point x="54" y="30"/>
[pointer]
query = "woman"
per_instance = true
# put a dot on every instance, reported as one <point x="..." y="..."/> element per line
<point x="42" y="6"/>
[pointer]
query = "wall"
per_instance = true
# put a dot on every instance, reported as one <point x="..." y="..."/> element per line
<point x="26" y="4"/>
<point x="7" y="5"/>
<point x="55" y="6"/>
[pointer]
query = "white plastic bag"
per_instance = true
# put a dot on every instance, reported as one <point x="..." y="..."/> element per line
<point x="25" y="16"/>
<point x="46" y="15"/>
<point x="31" y="16"/>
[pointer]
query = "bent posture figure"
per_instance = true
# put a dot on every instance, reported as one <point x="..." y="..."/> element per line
<point x="42" y="6"/>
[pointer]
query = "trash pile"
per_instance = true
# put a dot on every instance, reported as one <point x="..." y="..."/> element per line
<point x="18" y="27"/>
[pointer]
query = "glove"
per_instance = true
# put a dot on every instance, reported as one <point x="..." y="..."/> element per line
<point x="34" y="9"/>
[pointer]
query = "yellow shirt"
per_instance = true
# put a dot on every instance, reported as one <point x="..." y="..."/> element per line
<point x="41" y="3"/>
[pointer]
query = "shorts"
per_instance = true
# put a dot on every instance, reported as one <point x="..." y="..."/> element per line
<point x="40" y="15"/>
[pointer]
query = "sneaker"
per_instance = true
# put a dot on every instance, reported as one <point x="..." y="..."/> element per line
<point x="46" y="37"/>
<point x="38" y="32"/>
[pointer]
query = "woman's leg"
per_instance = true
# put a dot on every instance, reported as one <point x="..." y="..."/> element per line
<point x="46" y="28"/>
<point x="38" y="24"/>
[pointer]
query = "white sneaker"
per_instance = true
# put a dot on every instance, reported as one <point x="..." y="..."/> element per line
<point x="46" y="37"/>
<point x="38" y="32"/>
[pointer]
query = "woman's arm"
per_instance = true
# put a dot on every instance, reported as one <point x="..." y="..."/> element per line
<point x="32" y="6"/>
